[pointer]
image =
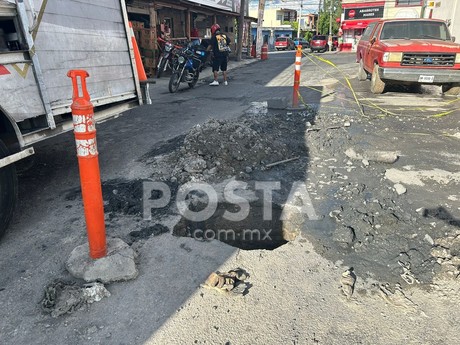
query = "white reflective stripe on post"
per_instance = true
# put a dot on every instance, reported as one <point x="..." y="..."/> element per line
<point x="83" y="123"/>
<point x="86" y="147"/>
<point x="298" y="59"/>
<point x="297" y="67"/>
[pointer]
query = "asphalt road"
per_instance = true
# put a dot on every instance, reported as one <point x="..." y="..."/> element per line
<point x="48" y="224"/>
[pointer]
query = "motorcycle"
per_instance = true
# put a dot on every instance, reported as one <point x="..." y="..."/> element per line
<point x="190" y="62"/>
<point x="168" y="57"/>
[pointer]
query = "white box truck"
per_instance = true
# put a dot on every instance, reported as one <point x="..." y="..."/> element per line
<point x="40" y="41"/>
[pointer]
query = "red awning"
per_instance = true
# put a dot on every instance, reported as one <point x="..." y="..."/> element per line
<point x="357" y="24"/>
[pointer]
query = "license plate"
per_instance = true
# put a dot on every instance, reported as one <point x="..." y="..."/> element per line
<point x="426" y="79"/>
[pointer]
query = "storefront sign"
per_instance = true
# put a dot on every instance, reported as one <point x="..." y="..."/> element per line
<point x="228" y="5"/>
<point x="364" y="13"/>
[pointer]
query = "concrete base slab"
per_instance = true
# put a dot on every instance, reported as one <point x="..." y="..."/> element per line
<point x="277" y="103"/>
<point x="299" y="107"/>
<point x="118" y="265"/>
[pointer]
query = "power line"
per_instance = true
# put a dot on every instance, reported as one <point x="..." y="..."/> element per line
<point x="295" y="3"/>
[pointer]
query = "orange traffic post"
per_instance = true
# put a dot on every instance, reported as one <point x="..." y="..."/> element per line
<point x="88" y="162"/>
<point x="298" y="62"/>
<point x="264" y="52"/>
<point x="137" y="56"/>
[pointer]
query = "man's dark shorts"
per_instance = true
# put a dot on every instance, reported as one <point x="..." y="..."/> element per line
<point x="219" y="62"/>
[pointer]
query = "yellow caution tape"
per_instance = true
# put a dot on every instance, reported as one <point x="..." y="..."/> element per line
<point x="362" y="102"/>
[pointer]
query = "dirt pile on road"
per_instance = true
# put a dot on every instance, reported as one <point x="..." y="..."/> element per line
<point x="364" y="220"/>
<point x="223" y="148"/>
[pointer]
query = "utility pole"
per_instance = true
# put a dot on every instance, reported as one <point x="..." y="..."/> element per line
<point x="422" y="12"/>
<point x="240" y="30"/>
<point x="299" y="19"/>
<point x="317" y="21"/>
<point x="260" y="20"/>
<point x="330" y="17"/>
<point x="330" y="25"/>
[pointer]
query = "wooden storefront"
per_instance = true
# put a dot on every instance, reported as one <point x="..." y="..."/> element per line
<point x="176" y="21"/>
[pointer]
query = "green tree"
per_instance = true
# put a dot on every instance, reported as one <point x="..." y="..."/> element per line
<point x="331" y="10"/>
<point x="294" y="25"/>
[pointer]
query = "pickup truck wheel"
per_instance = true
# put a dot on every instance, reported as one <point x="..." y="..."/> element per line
<point x="362" y="74"/>
<point x="377" y="85"/>
<point x="450" y="90"/>
<point x="8" y="191"/>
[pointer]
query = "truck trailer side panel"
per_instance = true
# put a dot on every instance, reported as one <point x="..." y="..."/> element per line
<point x="86" y="35"/>
<point x="66" y="35"/>
<point x="20" y="96"/>
<point x="40" y="41"/>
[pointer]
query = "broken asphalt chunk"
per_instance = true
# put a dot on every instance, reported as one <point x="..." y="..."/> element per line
<point x="232" y="281"/>
<point x="374" y="156"/>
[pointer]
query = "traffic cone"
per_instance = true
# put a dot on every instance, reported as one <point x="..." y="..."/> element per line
<point x="137" y="56"/>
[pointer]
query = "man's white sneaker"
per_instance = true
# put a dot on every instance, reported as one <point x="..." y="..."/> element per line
<point x="214" y="83"/>
<point x="225" y="83"/>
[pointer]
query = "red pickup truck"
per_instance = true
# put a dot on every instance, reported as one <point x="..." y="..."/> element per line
<point x="409" y="52"/>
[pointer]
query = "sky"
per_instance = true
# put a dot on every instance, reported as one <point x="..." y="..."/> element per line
<point x="309" y="6"/>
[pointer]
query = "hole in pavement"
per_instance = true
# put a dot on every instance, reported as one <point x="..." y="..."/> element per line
<point x="251" y="233"/>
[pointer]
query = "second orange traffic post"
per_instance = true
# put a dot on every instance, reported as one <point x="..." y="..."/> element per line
<point x="298" y="63"/>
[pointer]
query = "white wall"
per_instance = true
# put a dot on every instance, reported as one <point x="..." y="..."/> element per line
<point x="448" y="10"/>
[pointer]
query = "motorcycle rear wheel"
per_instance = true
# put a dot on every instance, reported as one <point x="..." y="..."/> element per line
<point x="195" y="79"/>
<point x="174" y="82"/>
<point x="161" y="67"/>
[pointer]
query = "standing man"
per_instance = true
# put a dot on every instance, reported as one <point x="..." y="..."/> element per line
<point x="219" y="45"/>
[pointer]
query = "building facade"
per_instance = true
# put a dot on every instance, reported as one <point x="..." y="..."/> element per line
<point x="178" y="21"/>
<point x="357" y="14"/>
<point x="274" y="23"/>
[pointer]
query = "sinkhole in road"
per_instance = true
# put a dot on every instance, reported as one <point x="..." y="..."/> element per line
<point x="259" y="230"/>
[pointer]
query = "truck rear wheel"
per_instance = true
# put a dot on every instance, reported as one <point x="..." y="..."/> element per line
<point x="450" y="90"/>
<point x="377" y="85"/>
<point x="8" y="191"/>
